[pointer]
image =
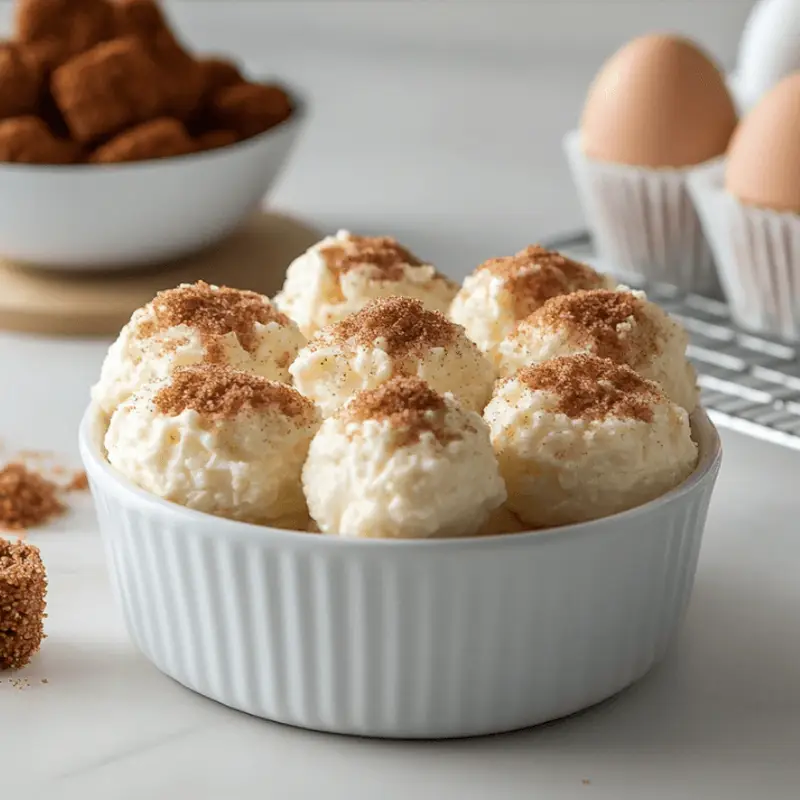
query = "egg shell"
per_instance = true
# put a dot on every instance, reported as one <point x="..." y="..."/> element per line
<point x="769" y="49"/>
<point x="658" y="102"/>
<point x="763" y="163"/>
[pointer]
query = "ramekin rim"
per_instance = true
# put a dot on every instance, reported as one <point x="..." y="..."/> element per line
<point x="97" y="467"/>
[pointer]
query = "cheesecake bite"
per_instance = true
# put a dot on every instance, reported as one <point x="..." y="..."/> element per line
<point x="342" y="273"/>
<point x="402" y="461"/>
<point x="580" y="437"/>
<point x="390" y="337"/>
<point x="622" y="325"/>
<point x="192" y="324"/>
<point x="217" y="440"/>
<point x="502" y="291"/>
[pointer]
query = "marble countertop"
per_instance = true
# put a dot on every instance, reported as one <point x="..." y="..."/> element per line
<point x="458" y="155"/>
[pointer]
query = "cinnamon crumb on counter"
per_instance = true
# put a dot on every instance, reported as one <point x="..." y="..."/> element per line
<point x="78" y="483"/>
<point x="26" y="498"/>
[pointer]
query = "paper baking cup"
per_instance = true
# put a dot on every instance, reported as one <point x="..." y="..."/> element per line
<point x="758" y="254"/>
<point x="421" y="639"/>
<point x="643" y="222"/>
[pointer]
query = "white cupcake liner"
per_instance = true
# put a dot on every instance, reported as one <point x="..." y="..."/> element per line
<point x="438" y="638"/>
<point x="644" y="223"/>
<point x="758" y="254"/>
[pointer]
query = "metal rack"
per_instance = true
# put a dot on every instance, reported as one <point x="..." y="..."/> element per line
<point x="748" y="383"/>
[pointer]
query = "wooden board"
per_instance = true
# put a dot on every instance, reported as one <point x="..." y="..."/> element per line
<point x="99" y="304"/>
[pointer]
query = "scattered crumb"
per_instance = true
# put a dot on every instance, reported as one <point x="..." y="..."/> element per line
<point x="44" y="680"/>
<point x="585" y="781"/>
<point x="26" y="498"/>
<point x="78" y="483"/>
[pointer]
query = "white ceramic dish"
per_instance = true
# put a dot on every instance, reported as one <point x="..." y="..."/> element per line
<point x="93" y="217"/>
<point x="418" y="639"/>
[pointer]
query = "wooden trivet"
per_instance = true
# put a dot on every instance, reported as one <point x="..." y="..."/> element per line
<point x="100" y="303"/>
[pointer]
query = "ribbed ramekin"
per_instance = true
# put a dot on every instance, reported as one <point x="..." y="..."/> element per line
<point x="415" y="639"/>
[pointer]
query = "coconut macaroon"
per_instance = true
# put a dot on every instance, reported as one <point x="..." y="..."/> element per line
<point x="402" y="461"/>
<point x="192" y="324"/>
<point x="502" y="291"/>
<point x="580" y="437"/>
<point x="621" y="325"/>
<point x="342" y="273"/>
<point x="389" y="337"/>
<point x="217" y="440"/>
<point x="23" y="586"/>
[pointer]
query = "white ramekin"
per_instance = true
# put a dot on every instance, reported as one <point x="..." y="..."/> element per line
<point x="643" y="222"/>
<point x="421" y="639"/>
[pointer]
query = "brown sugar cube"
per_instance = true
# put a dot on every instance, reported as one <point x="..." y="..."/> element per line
<point x="20" y="82"/>
<point x="213" y="140"/>
<point x="250" y="108"/>
<point x="75" y="25"/>
<point x="23" y="586"/>
<point x="181" y="76"/>
<point x="182" y="80"/>
<point x="143" y="18"/>
<point x="160" y="138"/>
<point x="218" y="73"/>
<point x="28" y="140"/>
<point x="45" y="55"/>
<point x="110" y="87"/>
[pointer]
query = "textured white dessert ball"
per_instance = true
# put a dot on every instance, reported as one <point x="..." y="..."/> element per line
<point x="192" y="324"/>
<point x="402" y="461"/>
<point x="580" y="437"/>
<point x="502" y="291"/>
<point x="342" y="273"/>
<point x="621" y="325"/>
<point x="389" y="337"/>
<point x="217" y="440"/>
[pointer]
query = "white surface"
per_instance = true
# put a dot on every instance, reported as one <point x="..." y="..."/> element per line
<point x="103" y="217"/>
<point x="460" y="156"/>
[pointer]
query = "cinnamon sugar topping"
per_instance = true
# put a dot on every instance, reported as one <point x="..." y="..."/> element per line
<point x="23" y="585"/>
<point x="385" y="255"/>
<point x="592" y="388"/>
<point x="403" y="322"/>
<point x="213" y="312"/>
<point x="609" y="324"/>
<point x="535" y="274"/>
<point x="219" y="392"/>
<point x="27" y="498"/>
<point x="409" y="405"/>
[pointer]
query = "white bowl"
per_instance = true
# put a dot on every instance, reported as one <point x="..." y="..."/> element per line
<point x="422" y="639"/>
<point x="99" y="217"/>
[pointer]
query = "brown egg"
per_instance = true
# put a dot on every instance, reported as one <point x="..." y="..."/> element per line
<point x="763" y="167"/>
<point x="658" y="102"/>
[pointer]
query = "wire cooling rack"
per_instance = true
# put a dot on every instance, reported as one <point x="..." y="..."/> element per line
<point x="748" y="383"/>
